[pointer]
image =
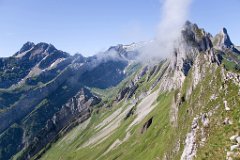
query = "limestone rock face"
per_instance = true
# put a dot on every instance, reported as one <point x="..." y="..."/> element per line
<point x="190" y="148"/>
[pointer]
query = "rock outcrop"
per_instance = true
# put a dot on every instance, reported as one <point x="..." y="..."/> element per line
<point x="75" y="111"/>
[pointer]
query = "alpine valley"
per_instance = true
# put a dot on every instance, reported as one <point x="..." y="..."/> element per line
<point x="57" y="106"/>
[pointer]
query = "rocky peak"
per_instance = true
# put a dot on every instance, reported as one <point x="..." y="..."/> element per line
<point x="30" y="50"/>
<point x="193" y="41"/>
<point x="128" y="52"/>
<point x="27" y="46"/>
<point x="196" y="37"/>
<point x="226" y="39"/>
<point x="45" y="47"/>
<point x="222" y="40"/>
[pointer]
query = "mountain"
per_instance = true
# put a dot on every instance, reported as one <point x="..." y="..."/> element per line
<point x="113" y="106"/>
<point x="39" y="83"/>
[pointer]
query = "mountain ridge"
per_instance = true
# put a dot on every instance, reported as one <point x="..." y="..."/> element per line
<point x="131" y="95"/>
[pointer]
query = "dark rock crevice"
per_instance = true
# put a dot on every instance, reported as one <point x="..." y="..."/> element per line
<point x="147" y="125"/>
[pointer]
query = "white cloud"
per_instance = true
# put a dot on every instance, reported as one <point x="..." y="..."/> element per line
<point x="174" y="14"/>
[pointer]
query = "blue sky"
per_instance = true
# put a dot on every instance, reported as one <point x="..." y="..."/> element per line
<point x="89" y="26"/>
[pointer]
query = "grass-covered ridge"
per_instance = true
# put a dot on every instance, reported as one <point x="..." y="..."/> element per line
<point x="162" y="139"/>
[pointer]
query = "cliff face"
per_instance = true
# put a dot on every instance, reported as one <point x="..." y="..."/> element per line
<point x="111" y="106"/>
<point x="75" y="111"/>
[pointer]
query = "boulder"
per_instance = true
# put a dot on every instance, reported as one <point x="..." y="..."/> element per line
<point x="227" y="121"/>
<point x="226" y="106"/>
<point x="233" y="138"/>
<point x="238" y="139"/>
<point x="234" y="147"/>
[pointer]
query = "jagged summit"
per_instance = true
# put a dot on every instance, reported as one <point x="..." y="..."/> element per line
<point x="226" y="39"/>
<point x="127" y="52"/>
<point x="224" y="30"/>
<point x="27" y="46"/>
<point x="222" y="40"/>
<point x="39" y="48"/>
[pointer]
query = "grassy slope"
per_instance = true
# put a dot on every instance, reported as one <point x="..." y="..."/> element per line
<point x="161" y="138"/>
<point x="160" y="123"/>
